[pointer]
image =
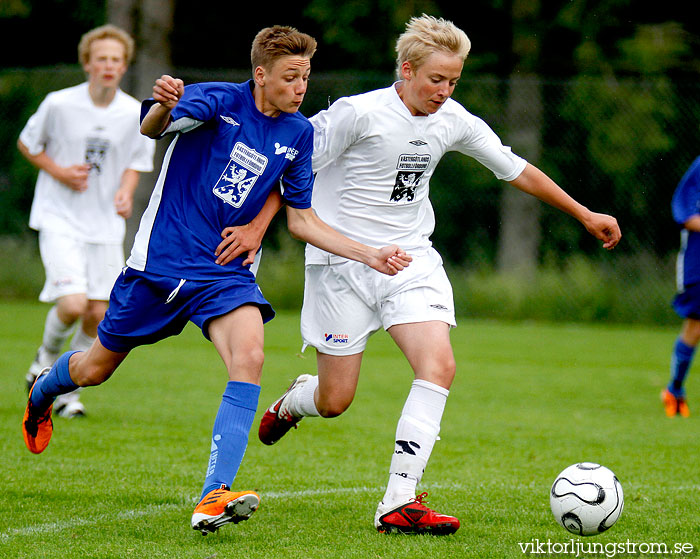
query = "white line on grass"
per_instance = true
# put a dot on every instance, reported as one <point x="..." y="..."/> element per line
<point x="165" y="507"/>
<point x="75" y="522"/>
<point x="152" y="510"/>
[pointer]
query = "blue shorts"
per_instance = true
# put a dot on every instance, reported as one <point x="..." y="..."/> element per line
<point x="145" y="308"/>
<point x="687" y="303"/>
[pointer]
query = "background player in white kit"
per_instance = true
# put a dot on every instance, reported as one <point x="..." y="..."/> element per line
<point x="374" y="154"/>
<point x="86" y="142"/>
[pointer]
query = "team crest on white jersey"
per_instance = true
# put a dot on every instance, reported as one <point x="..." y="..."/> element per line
<point x="239" y="176"/>
<point x="411" y="167"/>
<point x="95" y="152"/>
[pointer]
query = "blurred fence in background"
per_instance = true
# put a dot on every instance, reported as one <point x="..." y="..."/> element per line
<point x="617" y="146"/>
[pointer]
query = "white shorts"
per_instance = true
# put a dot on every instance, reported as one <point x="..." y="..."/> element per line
<point x="345" y="303"/>
<point x="73" y="266"/>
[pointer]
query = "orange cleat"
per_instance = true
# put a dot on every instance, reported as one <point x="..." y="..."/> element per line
<point x="221" y="506"/>
<point x="414" y="518"/>
<point x="674" y="405"/>
<point x="37" y="426"/>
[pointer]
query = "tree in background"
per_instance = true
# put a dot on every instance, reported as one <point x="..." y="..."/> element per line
<point x="151" y="23"/>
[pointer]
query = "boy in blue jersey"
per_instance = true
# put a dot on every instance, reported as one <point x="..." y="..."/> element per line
<point x="685" y="207"/>
<point x="234" y="144"/>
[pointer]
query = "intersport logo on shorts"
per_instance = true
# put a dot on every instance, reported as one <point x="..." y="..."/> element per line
<point x="336" y="338"/>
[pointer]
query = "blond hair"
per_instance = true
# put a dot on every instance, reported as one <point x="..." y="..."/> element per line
<point x="108" y="31"/>
<point x="425" y="35"/>
<point x="272" y="42"/>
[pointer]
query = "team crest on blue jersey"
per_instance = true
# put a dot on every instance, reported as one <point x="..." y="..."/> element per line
<point x="243" y="169"/>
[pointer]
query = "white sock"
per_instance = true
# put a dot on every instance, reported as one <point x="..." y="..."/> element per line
<point x="416" y="433"/>
<point x="301" y="401"/>
<point x="56" y="333"/>
<point x="81" y="341"/>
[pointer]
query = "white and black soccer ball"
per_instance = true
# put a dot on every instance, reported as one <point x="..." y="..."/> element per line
<point x="586" y="499"/>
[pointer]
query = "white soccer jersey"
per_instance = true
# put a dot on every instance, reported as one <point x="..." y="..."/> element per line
<point x="374" y="161"/>
<point x="72" y="131"/>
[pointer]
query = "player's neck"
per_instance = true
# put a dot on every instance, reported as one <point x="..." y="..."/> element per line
<point x="101" y="96"/>
<point x="262" y="103"/>
<point x="404" y="96"/>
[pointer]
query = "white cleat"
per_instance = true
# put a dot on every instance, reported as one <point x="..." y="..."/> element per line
<point x="41" y="362"/>
<point x="69" y="405"/>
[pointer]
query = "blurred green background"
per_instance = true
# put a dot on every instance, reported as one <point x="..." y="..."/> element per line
<point x="604" y="96"/>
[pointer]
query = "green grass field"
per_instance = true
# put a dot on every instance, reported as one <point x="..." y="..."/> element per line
<point x="529" y="400"/>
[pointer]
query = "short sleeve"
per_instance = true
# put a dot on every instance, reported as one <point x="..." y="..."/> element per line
<point x="194" y="108"/>
<point x="334" y="132"/>
<point x="35" y="133"/>
<point x="484" y="145"/>
<point x="298" y="179"/>
<point x="142" y="154"/>
<point x="686" y="198"/>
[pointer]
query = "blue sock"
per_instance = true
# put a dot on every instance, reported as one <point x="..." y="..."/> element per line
<point x="53" y="384"/>
<point x="230" y="435"/>
<point x="680" y="363"/>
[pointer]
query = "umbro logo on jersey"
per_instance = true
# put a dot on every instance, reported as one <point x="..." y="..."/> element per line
<point x="418" y="143"/>
<point x="229" y="120"/>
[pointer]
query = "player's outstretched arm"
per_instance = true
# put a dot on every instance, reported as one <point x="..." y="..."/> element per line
<point x="247" y="238"/>
<point x="601" y="226"/>
<point x="167" y="91"/>
<point x="305" y="225"/>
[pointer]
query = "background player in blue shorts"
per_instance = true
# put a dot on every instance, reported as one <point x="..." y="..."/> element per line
<point x="233" y="145"/>
<point x="685" y="206"/>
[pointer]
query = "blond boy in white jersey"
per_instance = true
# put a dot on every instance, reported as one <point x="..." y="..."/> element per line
<point x="85" y="140"/>
<point x="374" y="155"/>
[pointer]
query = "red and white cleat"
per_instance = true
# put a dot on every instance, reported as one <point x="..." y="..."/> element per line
<point x="277" y="420"/>
<point x="414" y="518"/>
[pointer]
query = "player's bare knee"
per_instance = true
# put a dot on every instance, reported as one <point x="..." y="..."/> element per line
<point x="71" y="308"/>
<point x="247" y="364"/>
<point x="691" y="331"/>
<point x="442" y="373"/>
<point x="93" y="315"/>
<point x="330" y="412"/>
<point x="333" y="408"/>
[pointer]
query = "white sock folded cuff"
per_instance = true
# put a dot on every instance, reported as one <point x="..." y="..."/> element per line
<point x="303" y="404"/>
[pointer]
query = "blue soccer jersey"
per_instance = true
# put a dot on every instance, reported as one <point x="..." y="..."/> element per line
<point x="225" y="159"/>
<point x="685" y="204"/>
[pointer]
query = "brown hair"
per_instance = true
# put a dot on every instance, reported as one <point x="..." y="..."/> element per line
<point x="273" y="42"/>
<point x="108" y="31"/>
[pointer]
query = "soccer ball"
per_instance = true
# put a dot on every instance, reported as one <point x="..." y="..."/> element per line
<point x="586" y="499"/>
